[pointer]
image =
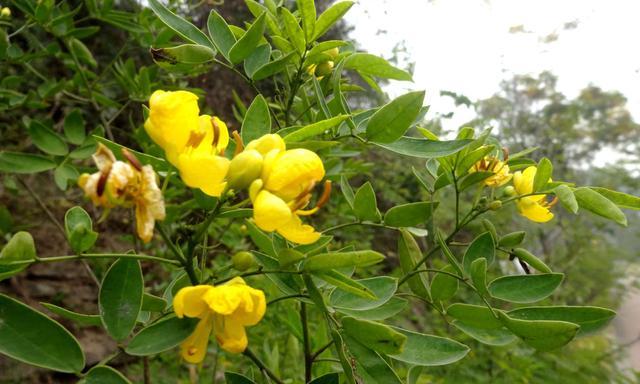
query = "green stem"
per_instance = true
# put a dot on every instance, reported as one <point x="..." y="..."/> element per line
<point x="281" y="298"/>
<point x="85" y="256"/>
<point x="308" y="361"/>
<point x="262" y="366"/>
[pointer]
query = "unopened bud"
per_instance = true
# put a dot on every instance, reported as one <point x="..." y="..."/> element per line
<point x="243" y="260"/>
<point x="243" y="229"/>
<point x="333" y="52"/>
<point x="509" y="191"/>
<point x="495" y="205"/>
<point x="244" y="169"/>
<point x="324" y="69"/>
<point x="5" y="12"/>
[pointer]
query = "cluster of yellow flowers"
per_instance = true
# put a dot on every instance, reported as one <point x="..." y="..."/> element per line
<point x="280" y="181"/>
<point x="534" y="207"/>
<point x="224" y="310"/>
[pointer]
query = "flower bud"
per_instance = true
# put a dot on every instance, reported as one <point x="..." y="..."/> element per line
<point x="243" y="260"/>
<point x="509" y="191"/>
<point x="244" y="169"/>
<point x="495" y="205"/>
<point x="333" y="52"/>
<point x="243" y="229"/>
<point x="5" y="12"/>
<point x="324" y="69"/>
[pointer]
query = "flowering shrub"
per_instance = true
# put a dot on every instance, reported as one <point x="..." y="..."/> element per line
<point x="273" y="176"/>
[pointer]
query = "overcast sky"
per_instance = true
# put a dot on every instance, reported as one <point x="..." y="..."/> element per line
<point x="466" y="45"/>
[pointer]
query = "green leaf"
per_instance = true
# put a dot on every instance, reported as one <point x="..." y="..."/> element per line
<point x="248" y="42"/>
<point x="409" y="254"/>
<point x="525" y="288"/>
<point x="79" y="229"/>
<point x="620" y="199"/>
<point x="590" y="319"/>
<point x="314" y="129"/>
<point x="543" y="335"/>
<point x="330" y="17"/>
<point x="424" y="149"/>
<point x="329" y="378"/>
<point x="80" y="318"/>
<point x="47" y="140"/>
<point x="153" y="303"/>
<point x="272" y="68"/>
<point x="376" y="336"/>
<point x="257" y="120"/>
<point x="184" y="54"/>
<point x="307" y="11"/>
<point x="527" y="257"/>
<point x="370" y="367"/>
<point x="478" y="273"/>
<point x="347" y="191"/>
<point x="566" y="197"/>
<point x="429" y="350"/>
<point x="448" y="254"/>
<point x="382" y="287"/>
<point x="81" y="52"/>
<point x="63" y="174"/>
<point x="594" y="202"/>
<point x="333" y="260"/>
<point x="18" y="162"/>
<point x="294" y="33"/>
<point x="74" y="127"/>
<point x="256" y="59"/>
<point x="409" y="215"/>
<point x="236" y="378"/>
<point x="102" y="374"/>
<point x="481" y="247"/>
<point x="120" y="297"/>
<point x="161" y="336"/>
<point x="495" y="337"/>
<point x="31" y="337"/>
<point x="444" y="286"/>
<point x="477" y="316"/>
<point x="390" y="122"/>
<point x="220" y="33"/>
<point x="385" y="311"/>
<point x="156" y="162"/>
<point x="262" y="240"/>
<point x="469" y="159"/>
<point x="365" y="205"/>
<point x="472" y="179"/>
<point x="512" y="239"/>
<point x="543" y="174"/>
<point x="20" y="248"/>
<point x="346" y="284"/>
<point x="182" y="27"/>
<point x="376" y="66"/>
<point x="319" y="49"/>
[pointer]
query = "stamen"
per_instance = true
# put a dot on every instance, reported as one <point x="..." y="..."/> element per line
<point x="301" y="202"/>
<point x="195" y="138"/>
<point x="505" y="153"/>
<point x="553" y="202"/>
<point x="132" y="159"/>
<point x="326" y="194"/>
<point x="102" y="182"/>
<point x="239" y="143"/>
<point x="216" y="132"/>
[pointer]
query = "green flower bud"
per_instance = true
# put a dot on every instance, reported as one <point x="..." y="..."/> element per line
<point x="5" y="12"/>
<point x="333" y="52"/>
<point x="243" y="260"/>
<point x="510" y="191"/>
<point x="324" y="69"/>
<point x="495" y="205"/>
<point x="244" y="169"/>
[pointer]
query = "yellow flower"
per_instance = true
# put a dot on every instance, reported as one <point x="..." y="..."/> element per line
<point x="499" y="168"/>
<point x="535" y="207"/>
<point x="127" y="184"/>
<point x="225" y="309"/>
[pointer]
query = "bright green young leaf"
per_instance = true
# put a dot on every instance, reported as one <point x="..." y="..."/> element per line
<point x="295" y="34"/>
<point x="390" y="122"/>
<point x="410" y="214"/>
<point x="472" y="179"/>
<point x="443" y="285"/>
<point x="220" y="33"/>
<point x="318" y="49"/>
<point x="79" y="318"/>
<point x="472" y="157"/>
<point x="257" y="120"/>
<point x="382" y="287"/>
<point x="373" y="65"/>
<point x="47" y="140"/>
<point x="161" y="336"/>
<point x="620" y="199"/>
<point x="594" y="202"/>
<point x="314" y="129"/>
<point x="272" y="68"/>
<point x="376" y="336"/>
<point x="512" y="239"/>
<point x="481" y="247"/>
<point x="387" y="310"/>
<point x="590" y="319"/>
<point x="307" y="11"/>
<point x="424" y="149"/>
<point x="409" y="254"/>
<point x="74" y="127"/>
<point x="290" y="256"/>
<point x="429" y="350"/>
<point x="333" y="260"/>
<point x="347" y="191"/>
<point x="566" y="197"/>
<point x="17" y="162"/>
<point x="263" y="241"/>
<point x="527" y="257"/>
<point x="525" y="288"/>
<point x="102" y="374"/>
<point x="478" y="273"/>
<point x="120" y="297"/>
<point x="20" y="248"/>
<point x="182" y="27"/>
<point x="247" y="43"/>
<point x="79" y="229"/>
<point x="543" y="174"/>
<point x="31" y="337"/>
<point x="184" y="54"/>
<point x="495" y="337"/>
<point x="236" y="378"/>
<point x="63" y="174"/>
<point x="543" y="335"/>
<point x="330" y="17"/>
<point x="370" y="367"/>
<point x="365" y="205"/>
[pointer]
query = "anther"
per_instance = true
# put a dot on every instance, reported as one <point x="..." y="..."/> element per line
<point x="239" y="143"/>
<point x="216" y="132"/>
<point x="132" y="159"/>
<point x="326" y="194"/>
<point x="102" y="182"/>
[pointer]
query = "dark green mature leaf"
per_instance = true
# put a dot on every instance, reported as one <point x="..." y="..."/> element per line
<point x="477" y="316"/>
<point x="365" y="205"/>
<point x="409" y="215"/>
<point x="543" y="335"/>
<point x="370" y="367"/>
<point x="120" y="297"/>
<point x="329" y="378"/>
<point x="472" y="157"/>
<point x="382" y="287"/>
<point x="390" y="122"/>
<point x="385" y="311"/>
<point x="153" y="303"/>
<point x="429" y="350"/>
<point x="472" y="179"/>
<point x="496" y="337"/>
<point x="18" y="162"/>
<point x="333" y="260"/>
<point x="47" y="140"/>
<point x="424" y="149"/>
<point x="481" y="247"/>
<point x="512" y="239"/>
<point x="79" y="229"/>
<point x="376" y="336"/>
<point x="220" y="33"/>
<point x="74" y="127"/>
<point x="236" y="378"/>
<point x="182" y="27"/>
<point x="31" y="337"/>
<point x="81" y="52"/>
<point x="596" y="203"/>
<point x="314" y="129"/>
<point x="525" y="288"/>
<point x="272" y="68"/>
<point x="478" y="273"/>
<point x="444" y="248"/>
<point x="590" y="319"/>
<point x="543" y="174"/>
<point x="566" y="197"/>
<point x="184" y="54"/>
<point x="248" y="42"/>
<point x="527" y="257"/>
<point x="80" y="318"/>
<point x="261" y="239"/>
<point x="376" y="66"/>
<point x="156" y="162"/>
<point x="63" y="174"/>
<point x="256" y="59"/>
<point x="443" y="285"/>
<point x="409" y="254"/>
<point x="330" y="17"/>
<point x="623" y="200"/>
<point x="102" y="374"/>
<point x="161" y="336"/>
<point x="257" y="120"/>
<point x="345" y="283"/>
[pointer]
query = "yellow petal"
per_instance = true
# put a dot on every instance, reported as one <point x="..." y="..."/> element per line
<point x="253" y="308"/>
<point x="231" y="335"/>
<point x="523" y="181"/>
<point x="293" y="172"/>
<point x="204" y="170"/>
<point x="222" y="139"/>
<point x="194" y="348"/>
<point x="103" y="157"/>
<point x="270" y="212"/>
<point x="224" y="299"/>
<point x="532" y="210"/>
<point x="267" y="143"/>
<point x="297" y="232"/>
<point x="190" y="301"/>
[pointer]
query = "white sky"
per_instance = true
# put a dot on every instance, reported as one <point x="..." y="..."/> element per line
<point x="465" y="45"/>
